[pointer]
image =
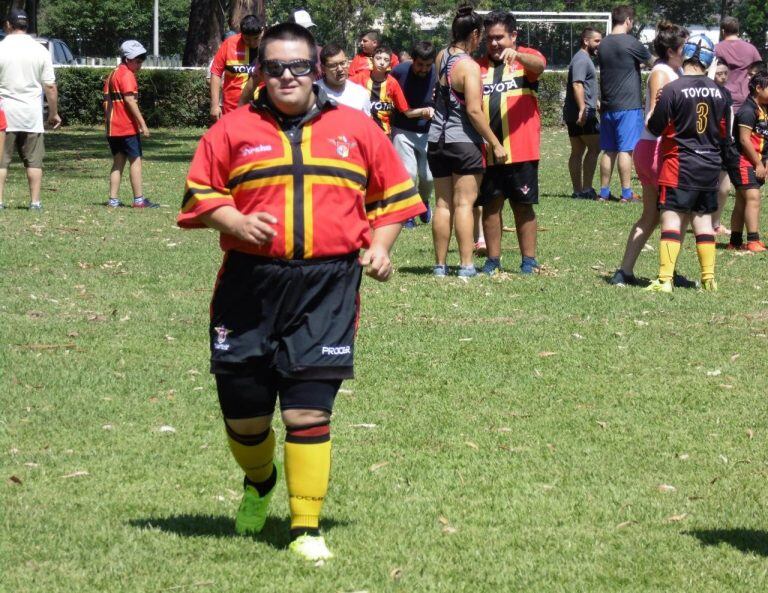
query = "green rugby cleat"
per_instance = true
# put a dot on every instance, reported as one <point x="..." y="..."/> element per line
<point x="311" y="548"/>
<point x="252" y="513"/>
<point x="709" y="285"/>
<point x="659" y="286"/>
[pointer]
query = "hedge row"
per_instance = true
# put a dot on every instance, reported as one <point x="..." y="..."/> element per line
<point x="180" y="97"/>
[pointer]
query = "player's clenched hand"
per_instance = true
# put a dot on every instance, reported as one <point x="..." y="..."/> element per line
<point x="255" y="228"/>
<point x="760" y="172"/>
<point x="377" y="263"/>
<point x="509" y="56"/>
<point x="499" y="154"/>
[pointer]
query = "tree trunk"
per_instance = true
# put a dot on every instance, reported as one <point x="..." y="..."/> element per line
<point x="240" y="8"/>
<point x="206" y="27"/>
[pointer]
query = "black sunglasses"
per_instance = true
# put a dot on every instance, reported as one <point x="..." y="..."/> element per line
<point x="275" y="68"/>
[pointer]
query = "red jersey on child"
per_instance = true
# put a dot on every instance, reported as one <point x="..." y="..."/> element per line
<point x="120" y="84"/>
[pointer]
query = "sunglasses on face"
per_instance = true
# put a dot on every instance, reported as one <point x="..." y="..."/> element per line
<point x="275" y="68"/>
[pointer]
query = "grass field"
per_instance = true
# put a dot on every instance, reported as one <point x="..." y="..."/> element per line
<point x="547" y="433"/>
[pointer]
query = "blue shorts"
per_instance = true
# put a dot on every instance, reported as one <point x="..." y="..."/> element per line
<point x="128" y="145"/>
<point x="620" y="130"/>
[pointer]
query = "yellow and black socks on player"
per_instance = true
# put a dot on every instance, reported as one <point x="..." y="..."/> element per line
<point x="307" y="471"/>
<point x="705" y="248"/>
<point x="255" y="454"/>
<point x="669" y="249"/>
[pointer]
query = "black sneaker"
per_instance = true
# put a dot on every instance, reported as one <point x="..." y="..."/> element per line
<point x="621" y="278"/>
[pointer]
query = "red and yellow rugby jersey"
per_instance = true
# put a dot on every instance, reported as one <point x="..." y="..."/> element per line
<point x="755" y="118"/>
<point x="233" y="63"/>
<point x="327" y="183"/>
<point x="120" y="83"/>
<point x="511" y="105"/>
<point x="361" y="63"/>
<point x="385" y="96"/>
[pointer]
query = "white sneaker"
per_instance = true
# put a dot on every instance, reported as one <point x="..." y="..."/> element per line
<point x="311" y="547"/>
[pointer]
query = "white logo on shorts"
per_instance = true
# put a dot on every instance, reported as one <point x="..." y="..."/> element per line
<point x="222" y="333"/>
<point x="336" y="350"/>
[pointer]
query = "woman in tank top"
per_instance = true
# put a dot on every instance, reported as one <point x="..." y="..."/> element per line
<point x="456" y="151"/>
<point x="668" y="46"/>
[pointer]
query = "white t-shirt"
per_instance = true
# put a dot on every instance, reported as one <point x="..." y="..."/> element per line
<point x="25" y="65"/>
<point x="353" y="95"/>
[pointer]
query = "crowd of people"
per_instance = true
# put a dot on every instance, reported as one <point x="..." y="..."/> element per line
<point x="333" y="156"/>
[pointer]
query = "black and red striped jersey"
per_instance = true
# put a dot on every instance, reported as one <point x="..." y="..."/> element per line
<point x="693" y="119"/>
<point x="755" y="118"/>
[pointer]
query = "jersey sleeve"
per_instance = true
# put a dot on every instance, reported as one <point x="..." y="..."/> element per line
<point x="3" y="121"/>
<point x="127" y="84"/>
<point x="660" y="116"/>
<point x="207" y="182"/>
<point x="391" y="197"/>
<point x="398" y="97"/>
<point x="746" y="117"/>
<point x="219" y="61"/>
<point x="639" y="52"/>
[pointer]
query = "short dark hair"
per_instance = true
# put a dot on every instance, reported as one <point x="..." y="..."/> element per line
<point x="423" y="50"/>
<point x="730" y="25"/>
<point x="382" y="49"/>
<point x="288" y="32"/>
<point x="251" y="25"/>
<point x="500" y="17"/>
<point x="668" y="36"/>
<point x="722" y="62"/>
<point x="465" y="22"/>
<point x="329" y="50"/>
<point x="759" y="79"/>
<point x="621" y="13"/>
<point x="587" y="33"/>
<point x="373" y="34"/>
<point x="758" y="65"/>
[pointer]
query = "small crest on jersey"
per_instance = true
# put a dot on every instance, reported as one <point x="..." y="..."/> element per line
<point x="222" y="333"/>
<point x="343" y="145"/>
<point x="524" y="190"/>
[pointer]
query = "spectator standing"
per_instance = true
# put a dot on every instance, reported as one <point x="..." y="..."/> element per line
<point x="510" y="83"/>
<point x="363" y="60"/>
<point x="335" y="80"/>
<point x="739" y="55"/>
<point x="621" y="101"/>
<point x="125" y="124"/>
<point x="409" y="136"/>
<point x="232" y="65"/>
<point x="26" y="73"/>
<point x="580" y="115"/>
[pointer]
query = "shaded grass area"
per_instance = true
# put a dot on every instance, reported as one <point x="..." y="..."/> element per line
<point x="548" y="433"/>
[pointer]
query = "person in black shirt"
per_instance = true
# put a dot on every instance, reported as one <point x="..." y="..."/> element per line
<point x="693" y="119"/>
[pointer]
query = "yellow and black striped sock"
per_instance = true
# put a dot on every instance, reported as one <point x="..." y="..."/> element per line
<point x="669" y="249"/>
<point x="705" y="248"/>
<point x="307" y="471"/>
<point x="255" y="454"/>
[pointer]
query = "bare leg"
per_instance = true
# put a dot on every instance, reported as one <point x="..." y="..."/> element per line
<point x="3" y="177"/>
<point x="607" y="162"/>
<point x="35" y="180"/>
<point x="590" y="160"/>
<point x="752" y="210"/>
<point x="722" y="199"/>
<point x="574" y="162"/>
<point x="465" y="189"/>
<point x="526" y="226"/>
<point x="492" y="226"/>
<point x="642" y="229"/>
<point x="737" y="216"/>
<point x="116" y="174"/>
<point x="135" y="174"/>
<point x="478" y="232"/>
<point x="442" y="218"/>
<point x="625" y="169"/>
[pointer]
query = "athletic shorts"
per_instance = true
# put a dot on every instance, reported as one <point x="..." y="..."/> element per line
<point x="296" y="319"/>
<point x="646" y="158"/>
<point x="591" y="126"/>
<point x="30" y="147"/>
<point x="743" y="177"/>
<point x="518" y="182"/>
<point x="620" y="130"/>
<point x="694" y="201"/>
<point x="130" y="146"/>
<point x="455" y="158"/>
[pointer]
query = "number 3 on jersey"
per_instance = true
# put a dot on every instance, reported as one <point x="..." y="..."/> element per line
<point x="702" y="111"/>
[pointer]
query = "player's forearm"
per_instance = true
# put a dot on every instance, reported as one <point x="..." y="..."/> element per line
<point x="578" y="95"/>
<point x="133" y="108"/>
<point x="531" y="63"/>
<point x="223" y="219"/>
<point x="749" y="152"/>
<point x="52" y="96"/>
<point x="215" y="91"/>
<point x="246" y="94"/>
<point x="416" y="113"/>
<point x="384" y="237"/>
<point x="477" y="118"/>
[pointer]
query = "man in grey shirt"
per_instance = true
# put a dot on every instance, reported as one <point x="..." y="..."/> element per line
<point x="580" y="115"/>
<point x="621" y="101"/>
